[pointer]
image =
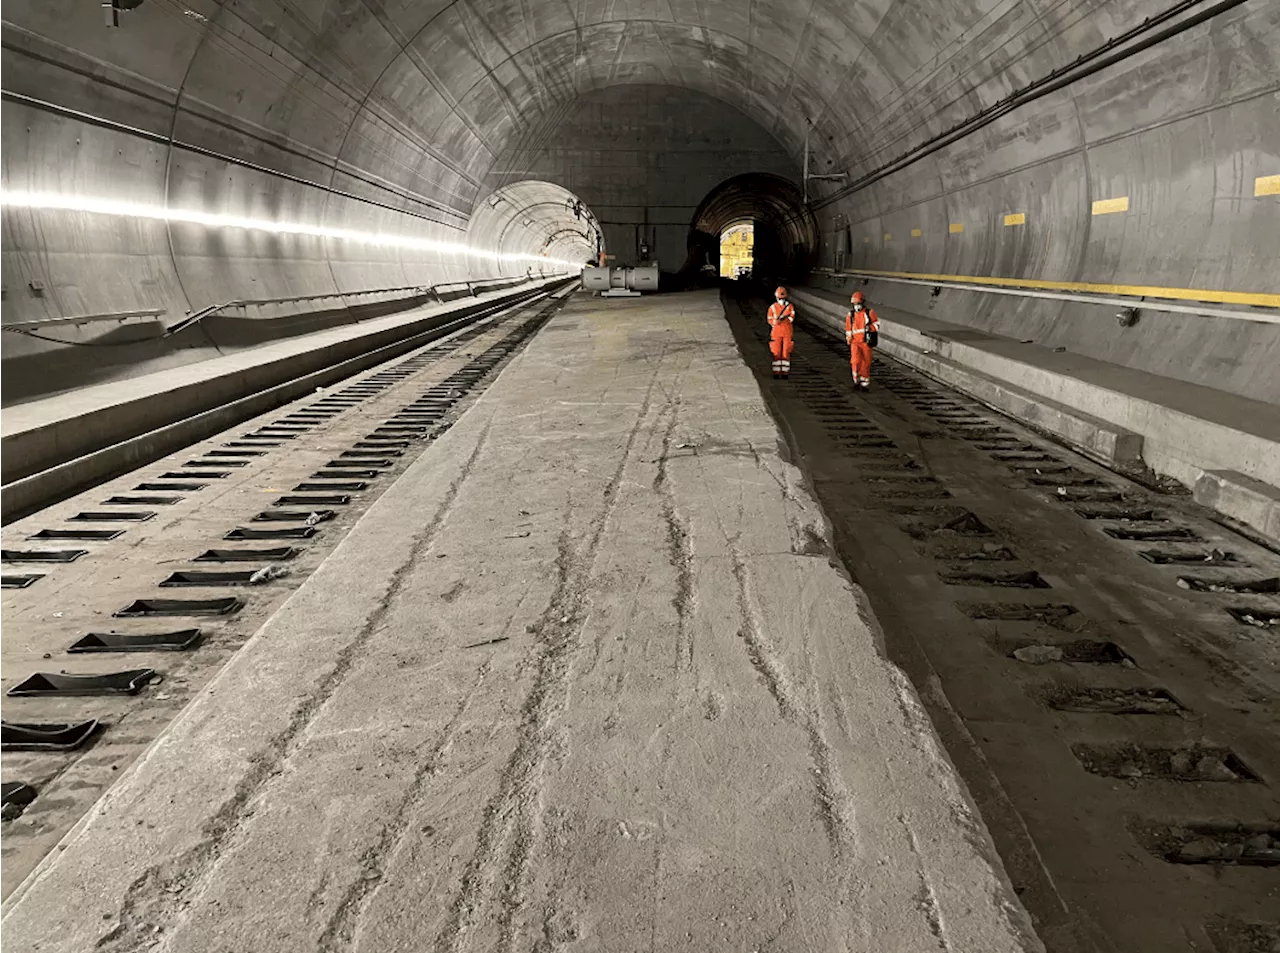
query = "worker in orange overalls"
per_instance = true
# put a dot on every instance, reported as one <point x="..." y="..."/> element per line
<point x="782" y="319"/>
<point x="861" y="330"/>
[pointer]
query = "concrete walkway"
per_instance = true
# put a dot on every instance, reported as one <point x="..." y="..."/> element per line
<point x="585" y="678"/>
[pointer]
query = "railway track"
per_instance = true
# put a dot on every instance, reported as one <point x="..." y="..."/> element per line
<point x="122" y="602"/>
<point x="1102" y="660"/>
<point x="47" y="472"/>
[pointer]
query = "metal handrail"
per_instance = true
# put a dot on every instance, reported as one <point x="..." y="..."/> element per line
<point x="196" y="317"/>
<point x="1139" y="302"/>
<point x="426" y="289"/>
<point x="37" y="323"/>
<point x="253" y="302"/>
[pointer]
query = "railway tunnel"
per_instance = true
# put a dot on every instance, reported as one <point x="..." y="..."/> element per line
<point x="371" y="585"/>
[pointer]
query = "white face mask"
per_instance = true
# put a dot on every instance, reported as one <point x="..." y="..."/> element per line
<point x="857" y="307"/>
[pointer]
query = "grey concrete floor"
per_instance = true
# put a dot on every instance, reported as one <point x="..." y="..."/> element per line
<point x="586" y="677"/>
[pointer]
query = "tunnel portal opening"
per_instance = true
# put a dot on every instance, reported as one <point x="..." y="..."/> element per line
<point x="737" y="244"/>
<point x="784" y="234"/>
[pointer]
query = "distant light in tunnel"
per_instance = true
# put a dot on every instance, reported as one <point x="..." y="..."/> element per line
<point x="100" y="206"/>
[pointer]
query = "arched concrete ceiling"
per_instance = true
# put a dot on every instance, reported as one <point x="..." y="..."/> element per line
<point x="872" y="75"/>
<point x="418" y="98"/>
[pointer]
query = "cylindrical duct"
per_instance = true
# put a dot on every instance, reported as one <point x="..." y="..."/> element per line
<point x="642" y="278"/>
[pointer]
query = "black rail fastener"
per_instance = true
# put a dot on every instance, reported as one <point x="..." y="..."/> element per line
<point x="128" y="682"/>
<point x="142" y="501"/>
<point x="371" y="462"/>
<point x="196" y="475"/>
<point x="295" y="516"/>
<point x="339" y="499"/>
<point x="220" y="462"/>
<point x="188" y="577"/>
<point x="345" y="474"/>
<point x="133" y="516"/>
<point x="180" y="607"/>
<point x="97" y="535"/>
<point x="174" y="487"/>
<point x="182" y="640"/>
<point x="278" y="554"/>
<point x="41" y="555"/>
<point x="1179" y="534"/>
<point x="55" y="736"/>
<point x="313" y="487"/>
<point x="15" y="796"/>
<point x="370" y="453"/>
<point x="19" y="581"/>
<point x="235" y="453"/>
<point x="291" y="532"/>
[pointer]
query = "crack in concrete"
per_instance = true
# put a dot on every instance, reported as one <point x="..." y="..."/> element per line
<point x="151" y="901"/>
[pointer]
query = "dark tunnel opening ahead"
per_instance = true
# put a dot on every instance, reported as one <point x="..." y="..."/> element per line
<point x="786" y="233"/>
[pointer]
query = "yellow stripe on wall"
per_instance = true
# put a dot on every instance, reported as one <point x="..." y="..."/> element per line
<point x="955" y="228"/>
<point x="1110" y="206"/>
<point x="916" y="233"/>
<point x="1255" y="299"/>
<point x="1016" y="218"/>
<point x="1266" y="185"/>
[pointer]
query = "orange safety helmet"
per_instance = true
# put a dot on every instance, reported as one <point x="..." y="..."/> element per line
<point x="780" y="292"/>
<point x="858" y="297"/>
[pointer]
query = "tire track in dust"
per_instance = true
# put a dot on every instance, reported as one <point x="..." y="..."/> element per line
<point x="158" y="896"/>
<point x="513" y="815"/>
<point x="835" y="805"/>
<point x="679" y="549"/>
<point x="342" y="930"/>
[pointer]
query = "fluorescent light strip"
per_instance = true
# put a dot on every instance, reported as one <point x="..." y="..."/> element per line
<point x="98" y="206"/>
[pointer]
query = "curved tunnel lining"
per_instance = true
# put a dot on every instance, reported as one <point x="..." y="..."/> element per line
<point x="786" y="233"/>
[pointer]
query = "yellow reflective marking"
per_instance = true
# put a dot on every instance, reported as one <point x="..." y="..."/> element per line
<point x="866" y="241"/>
<point x="1016" y="218"/>
<point x="916" y="233"/>
<point x="888" y="237"/>
<point x="1255" y="299"/>
<point x="1266" y="185"/>
<point x="955" y="228"/>
<point x="1109" y="206"/>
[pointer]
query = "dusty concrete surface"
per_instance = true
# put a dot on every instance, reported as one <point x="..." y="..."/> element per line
<point x="585" y="677"/>
<point x="1037" y="601"/>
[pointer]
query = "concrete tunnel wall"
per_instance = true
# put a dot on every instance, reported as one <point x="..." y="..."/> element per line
<point x="286" y="141"/>
<point x="1182" y="131"/>
<point x="401" y="118"/>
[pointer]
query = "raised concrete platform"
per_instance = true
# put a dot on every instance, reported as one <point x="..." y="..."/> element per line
<point x="1116" y="414"/>
<point x="585" y="677"/>
<point x="67" y="427"/>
